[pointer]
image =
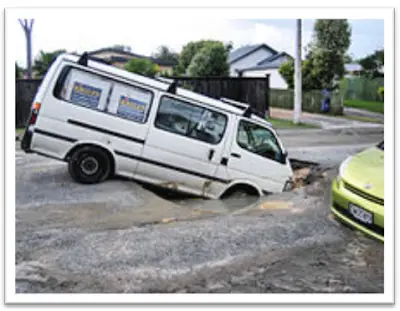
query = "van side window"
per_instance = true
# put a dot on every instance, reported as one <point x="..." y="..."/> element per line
<point x="258" y="140"/>
<point x="190" y="120"/>
<point x="85" y="89"/>
<point x="130" y="102"/>
<point x="90" y="90"/>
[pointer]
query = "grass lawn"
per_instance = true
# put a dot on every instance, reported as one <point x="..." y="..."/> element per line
<point x="370" y="106"/>
<point x="19" y="131"/>
<point x="363" y="119"/>
<point x="284" y="124"/>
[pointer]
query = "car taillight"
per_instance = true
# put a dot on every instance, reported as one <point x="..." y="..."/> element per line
<point x="34" y="114"/>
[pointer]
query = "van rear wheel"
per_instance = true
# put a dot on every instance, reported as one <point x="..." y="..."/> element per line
<point x="89" y="165"/>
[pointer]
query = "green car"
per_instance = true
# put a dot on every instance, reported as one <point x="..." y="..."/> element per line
<point x="358" y="192"/>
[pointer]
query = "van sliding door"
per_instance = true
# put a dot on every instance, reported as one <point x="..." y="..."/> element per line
<point x="184" y="147"/>
<point x="131" y="105"/>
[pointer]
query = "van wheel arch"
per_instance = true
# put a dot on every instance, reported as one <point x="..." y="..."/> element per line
<point x="96" y="149"/>
<point x="240" y="188"/>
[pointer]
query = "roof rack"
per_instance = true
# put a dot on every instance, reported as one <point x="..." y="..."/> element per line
<point x="247" y="110"/>
<point x="235" y="103"/>
<point x="172" y="87"/>
<point x="83" y="60"/>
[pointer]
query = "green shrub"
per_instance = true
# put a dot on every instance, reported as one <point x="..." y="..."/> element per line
<point x="381" y="91"/>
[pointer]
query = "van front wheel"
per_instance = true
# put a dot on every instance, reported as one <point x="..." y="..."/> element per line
<point x="89" y="165"/>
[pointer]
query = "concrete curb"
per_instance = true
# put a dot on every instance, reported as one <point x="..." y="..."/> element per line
<point x="338" y="131"/>
<point x="363" y="113"/>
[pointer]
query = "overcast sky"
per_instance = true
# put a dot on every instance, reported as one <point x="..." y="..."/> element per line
<point x="84" y="32"/>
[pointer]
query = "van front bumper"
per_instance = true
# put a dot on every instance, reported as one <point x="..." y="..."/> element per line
<point x="341" y="198"/>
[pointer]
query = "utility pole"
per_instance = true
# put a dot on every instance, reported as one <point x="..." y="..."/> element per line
<point x="27" y="27"/>
<point x="297" y="73"/>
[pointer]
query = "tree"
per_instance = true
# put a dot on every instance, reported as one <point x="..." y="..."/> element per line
<point x="309" y="81"/>
<point x="165" y="74"/>
<point x="325" y="57"/>
<point x="372" y="64"/>
<point x="142" y="66"/>
<point x="27" y="27"/>
<point x="287" y="72"/>
<point x="332" y="35"/>
<point x="44" y="61"/>
<point x="19" y="72"/>
<point x="211" y="60"/>
<point x="332" y="40"/>
<point x="189" y="51"/>
<point x="348" y="59"/>
<point x="165" y="54"/>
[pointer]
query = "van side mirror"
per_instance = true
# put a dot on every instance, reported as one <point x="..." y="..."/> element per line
<point x="284" y="156"/>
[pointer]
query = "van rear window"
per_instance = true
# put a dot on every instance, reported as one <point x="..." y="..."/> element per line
<point x="85" y="89"/>
<point x="94" y="91"/>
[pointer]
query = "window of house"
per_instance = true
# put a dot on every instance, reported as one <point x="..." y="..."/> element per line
<point x="190" y="120"/>
<point x="258" y="140"/>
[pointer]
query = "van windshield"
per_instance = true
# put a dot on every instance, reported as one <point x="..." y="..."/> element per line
<point x="259" y="140"/>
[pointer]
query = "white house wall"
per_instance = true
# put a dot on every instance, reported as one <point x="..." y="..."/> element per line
<point x="275" y="79"/>
<point x="249" y="61"/>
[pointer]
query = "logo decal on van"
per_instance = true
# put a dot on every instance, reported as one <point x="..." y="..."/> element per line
<point x="131" y="108"/>
<point x="85" y="95"/>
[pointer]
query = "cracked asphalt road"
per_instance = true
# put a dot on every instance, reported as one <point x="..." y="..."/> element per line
<point x="119" y="237"/>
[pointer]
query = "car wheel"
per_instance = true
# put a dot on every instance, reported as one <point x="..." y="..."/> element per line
<point x="89" y="165"/>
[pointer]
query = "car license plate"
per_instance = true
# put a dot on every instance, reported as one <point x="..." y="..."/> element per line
<point x="361" y="214"/>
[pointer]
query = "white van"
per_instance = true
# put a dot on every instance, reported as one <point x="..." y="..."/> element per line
<point x="105" y="121"/>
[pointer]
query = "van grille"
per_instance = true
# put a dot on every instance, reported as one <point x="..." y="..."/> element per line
<point x="363" y="194"/>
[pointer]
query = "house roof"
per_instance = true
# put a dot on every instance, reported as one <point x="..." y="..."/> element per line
<point x="246" y="50"/>
<point x="130" y="55"/>
<point x="352" y="67"/>
<point x="272" y="58"/>
<point x="271" y="62"/>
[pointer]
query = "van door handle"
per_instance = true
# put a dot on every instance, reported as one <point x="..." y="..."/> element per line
<point x="211" y="154"/>
<point x="236" y="155"/>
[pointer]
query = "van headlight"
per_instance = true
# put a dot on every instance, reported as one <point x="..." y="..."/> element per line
<point x="343" y="167"/>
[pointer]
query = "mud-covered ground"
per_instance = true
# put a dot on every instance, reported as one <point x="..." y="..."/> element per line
<point x="119" y="237"/>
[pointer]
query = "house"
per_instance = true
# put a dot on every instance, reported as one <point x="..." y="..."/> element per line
<point x="258" y="61"/>
<point x="119" y="57"/>
<point x="352" y="70"/>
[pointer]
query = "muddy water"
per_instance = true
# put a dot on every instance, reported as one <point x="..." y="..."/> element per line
<point x="304" y="173"/>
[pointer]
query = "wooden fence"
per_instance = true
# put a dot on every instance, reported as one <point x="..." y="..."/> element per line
<point x="25" y="91"/>
<point x="311" y="101"/>
<point x="251" y="90"/>
<point x="254" y="91"/>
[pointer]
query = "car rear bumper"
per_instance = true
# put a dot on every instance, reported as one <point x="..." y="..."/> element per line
<point x="27" y="139"/>
<point x="339" y="207"/>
